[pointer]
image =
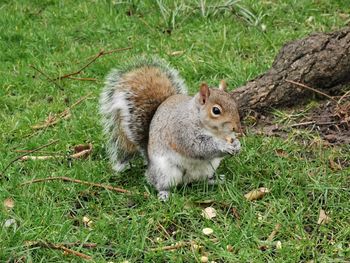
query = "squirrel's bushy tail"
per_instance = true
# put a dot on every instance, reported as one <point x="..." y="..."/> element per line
<point x="128" y="102"/>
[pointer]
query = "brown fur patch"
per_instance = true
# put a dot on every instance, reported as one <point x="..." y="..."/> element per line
<point x="149" y="87"/>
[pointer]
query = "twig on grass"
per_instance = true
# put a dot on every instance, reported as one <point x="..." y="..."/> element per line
<point x="67" y="179"/>
<point x="61" y="247"/>
<point x="33" y="243"/>
<point x="83" y="79"/>
<point x="99" y="54"/>
<point x="312" y="89"/>
<point x="83" y="152"/>
<point x="52" y="120"/>
<point x="47" y="77"/>
<point x="29" y="152"/>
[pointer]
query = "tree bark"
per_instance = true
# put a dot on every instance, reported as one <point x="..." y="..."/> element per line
<point x="321" y="61"/>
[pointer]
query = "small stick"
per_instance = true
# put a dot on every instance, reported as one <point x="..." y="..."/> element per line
<point x="67" y="179"/>
<point x="30" y="151"/>
<point x="83" y="79"/>
<point x="311" y="122"/>
<point x="99" y="54"/>
<point x="78" y="244"/>
<point x="274" y="232"/>
<point x="312" y="89"/>
<point x="47" y="77"/>
<point x="76" y="155"/>
<point x="63" y="115"/>
<point x="79" y="101"/>
<point x="62" y="247"/>
<point x="68" y="245"/>
<point x="42" y="157"/>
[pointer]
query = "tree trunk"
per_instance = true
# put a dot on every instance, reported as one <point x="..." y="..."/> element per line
<point x="321" y="61"/>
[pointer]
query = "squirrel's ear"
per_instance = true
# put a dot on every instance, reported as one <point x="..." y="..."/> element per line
<point x="223" y="85"/>
<point x="203" y="93"/>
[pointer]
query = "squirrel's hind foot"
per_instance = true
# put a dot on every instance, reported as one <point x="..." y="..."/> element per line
<point x="163" y="196"/>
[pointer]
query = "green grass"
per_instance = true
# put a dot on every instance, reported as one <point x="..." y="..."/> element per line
<point x="217" y="42"/>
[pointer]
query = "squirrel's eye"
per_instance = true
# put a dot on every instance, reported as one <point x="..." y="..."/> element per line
<point x="216" y="111"/>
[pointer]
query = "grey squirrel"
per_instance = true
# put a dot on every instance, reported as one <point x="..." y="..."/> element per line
<point x="145" y="110"/>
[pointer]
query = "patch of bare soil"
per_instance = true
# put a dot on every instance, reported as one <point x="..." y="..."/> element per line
<point x="330" y="119"/>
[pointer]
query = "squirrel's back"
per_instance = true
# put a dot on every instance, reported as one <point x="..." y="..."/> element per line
<point x="129" y="100"/>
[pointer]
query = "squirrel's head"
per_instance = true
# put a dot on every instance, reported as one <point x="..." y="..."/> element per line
<point x="218" y="111"/>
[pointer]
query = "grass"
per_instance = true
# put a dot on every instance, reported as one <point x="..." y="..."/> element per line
<point x="232" y="40"/>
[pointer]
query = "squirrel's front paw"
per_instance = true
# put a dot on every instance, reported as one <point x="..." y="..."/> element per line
<point x="234" y="147"/>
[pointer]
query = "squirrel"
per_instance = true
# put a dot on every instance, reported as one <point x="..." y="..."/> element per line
<point x="145" y="109"/>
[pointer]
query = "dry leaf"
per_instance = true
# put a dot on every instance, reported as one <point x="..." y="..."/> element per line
<point x="82" y="151"/>
<point x="9" y="203"/>
<point x="256" y="194"/>
<point x="209" y="212"/>
<point x="208" y="231"/>
<point x="323" y="218"/>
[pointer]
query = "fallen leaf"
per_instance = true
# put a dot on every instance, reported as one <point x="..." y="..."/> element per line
<point x="209" y="212"/>
<point x="256" y="194"/>
<point x="207" y="231"/>
<point x="323" y="218"/>
<point x="9" y="203"/>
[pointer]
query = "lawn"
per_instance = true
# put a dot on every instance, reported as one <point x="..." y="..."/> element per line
<point x="206" y="41"/>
